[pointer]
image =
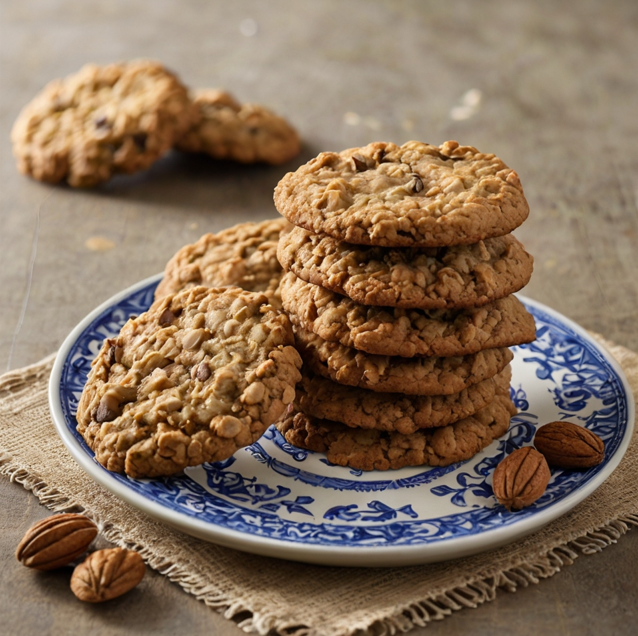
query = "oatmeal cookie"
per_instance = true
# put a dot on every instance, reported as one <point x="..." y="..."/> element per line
<point x="392" y="374"/>
<point x="100" y="121"/>
<point x="402" y="196"/>
<point x="244" y="255"/>
<point x="414" y="278"/>
<point x="247" y="133"/>
<point x="383" y="450"/>
<point x="199" y="375"/>
<point x="361" y="408"/>
<point x="406" y="332"/>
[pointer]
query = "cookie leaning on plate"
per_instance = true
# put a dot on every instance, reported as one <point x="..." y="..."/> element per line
<point x="247" y="133"/>
<point x="405" y="332"/>
<point x="415" y="278"/>
<point x="199" y="375"/>
<point x="244" y="255"/>
<point x="384" y="450"/>
<point x="430" y="375"/>
<point x="100" y="121"/>
<point x="415" y="195"/>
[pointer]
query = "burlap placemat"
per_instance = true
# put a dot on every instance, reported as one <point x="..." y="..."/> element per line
<point x="293" y="598"/>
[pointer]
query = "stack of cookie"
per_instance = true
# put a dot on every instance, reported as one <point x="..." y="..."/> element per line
<point x="399" y="281"/>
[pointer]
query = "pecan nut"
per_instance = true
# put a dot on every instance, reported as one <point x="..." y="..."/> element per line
<point x="106" y="574"/>
<point x="567" y="445"/>
<point x="56" y="541"/>
<point x="521" y="478"/>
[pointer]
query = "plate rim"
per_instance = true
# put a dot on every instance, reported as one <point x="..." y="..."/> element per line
<point x="367" y="556"/>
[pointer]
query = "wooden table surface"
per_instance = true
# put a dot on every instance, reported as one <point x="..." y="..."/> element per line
<point x="552" y="88"/>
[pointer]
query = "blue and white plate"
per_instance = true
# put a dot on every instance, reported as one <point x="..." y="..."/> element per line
<point x="277" y="500"/>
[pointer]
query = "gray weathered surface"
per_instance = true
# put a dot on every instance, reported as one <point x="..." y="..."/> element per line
<point x="559" y="90"/>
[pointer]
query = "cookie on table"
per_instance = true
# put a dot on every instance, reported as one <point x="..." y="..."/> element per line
<point x="425" y="278"/>
<point x="406" y="332"/>
<point x="102" y="120"/>
<point x="383" y="450"/>
<point x="244" y="255"/>
<point x="362" y="408"/>
<point x="392" y="374"/>
<point x="199" y="375"/>
<point x="414" y="195"/>
<point x="247" y="133"/>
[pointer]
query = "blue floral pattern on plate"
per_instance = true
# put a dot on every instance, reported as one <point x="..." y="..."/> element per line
<point x="274" y="490"/>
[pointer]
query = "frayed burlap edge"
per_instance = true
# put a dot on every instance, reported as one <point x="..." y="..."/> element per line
<point x="473" y="592"/>
<point x="481" y="590"/>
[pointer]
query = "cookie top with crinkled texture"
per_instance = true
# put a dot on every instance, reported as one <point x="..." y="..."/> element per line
<point x="248" y="133"/>
<point x="199" y="375"/>
<point x="102" y="120"/>
<point x="430" y="375"/>
<point x="406" y="332"/>
<point x="362" y="408"/>
<point x="384" y="450"/>
<point x="244" y="255"/>
<point x="424" y="278"/>
<point x="416" y="194"/>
